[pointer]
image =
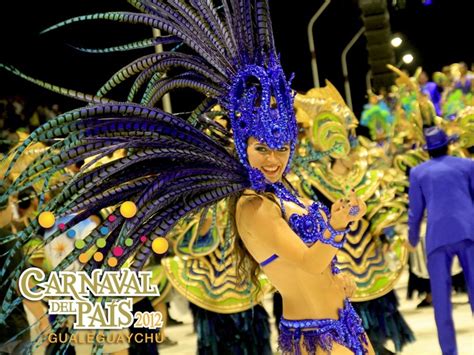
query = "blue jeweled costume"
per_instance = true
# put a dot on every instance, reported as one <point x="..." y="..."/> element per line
<point x="347" y="330"/>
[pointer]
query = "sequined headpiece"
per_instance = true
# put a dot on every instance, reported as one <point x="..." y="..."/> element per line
<point x="261" y="106"/>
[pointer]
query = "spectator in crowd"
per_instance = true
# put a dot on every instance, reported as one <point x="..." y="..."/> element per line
<point x="465" y="81"/>
<point x="431" y="90"/>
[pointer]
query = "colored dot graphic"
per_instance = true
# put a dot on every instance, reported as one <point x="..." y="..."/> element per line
<point x="98" y="256"/>
<point x="61" y="226"/>
<point x="128" y="209"/>
<point x="95" y="219"/>
<point x="79" y="244"/>
<point x="100" y="243"/>
<point x="104" y="230"/>
<point x="112" y="262"/>
<point x="83" y="258"/>
<point x="117" y="251"/>
<point x="46" y="219"/>
<point x="111" y="218"/>
<point x="71" y="233"/>
<point x="128" y="242"/>
<point x="160" y="245"/>
<point x="143" y="239"/>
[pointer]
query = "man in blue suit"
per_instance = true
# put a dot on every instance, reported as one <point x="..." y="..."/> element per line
<point x="444" y="186"/>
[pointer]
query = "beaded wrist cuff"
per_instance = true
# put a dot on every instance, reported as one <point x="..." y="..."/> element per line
<point x="334" y="233"/>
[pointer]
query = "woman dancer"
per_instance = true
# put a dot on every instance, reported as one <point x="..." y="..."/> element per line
<point x="176" y="165"/>
<point x="295" y="242"/>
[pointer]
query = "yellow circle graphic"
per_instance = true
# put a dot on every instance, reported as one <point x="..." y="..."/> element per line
<point x="112" y="262"/>
<point x="98" y="256"/>
<point x="128" y="209"/>
<point x="83" y="258"/>
<point x="160" y="245"/>
<point x="46" y="219"/>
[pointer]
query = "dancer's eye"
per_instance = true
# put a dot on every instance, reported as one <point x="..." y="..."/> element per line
<point x="261" y="149"/>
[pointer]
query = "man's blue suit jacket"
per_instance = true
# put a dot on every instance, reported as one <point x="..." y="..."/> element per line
<point x="445" y="187"/>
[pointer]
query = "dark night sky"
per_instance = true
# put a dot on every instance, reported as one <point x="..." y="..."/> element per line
<point x="437" y="35"/>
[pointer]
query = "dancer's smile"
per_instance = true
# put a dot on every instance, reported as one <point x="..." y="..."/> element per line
<point x="271" y="162"/>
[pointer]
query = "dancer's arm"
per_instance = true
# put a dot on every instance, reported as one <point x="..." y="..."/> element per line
<point x="265" y="232"/>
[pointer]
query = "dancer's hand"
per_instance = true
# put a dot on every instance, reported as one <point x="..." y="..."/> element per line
<point x="346" y="283"/>
<point x="346" y="210"/>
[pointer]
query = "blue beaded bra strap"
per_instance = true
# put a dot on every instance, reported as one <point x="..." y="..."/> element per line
<point x="284" y="194"/>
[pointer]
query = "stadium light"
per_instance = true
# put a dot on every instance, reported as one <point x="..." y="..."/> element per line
<point x="396" y="41"/>
<point x="407" y="58"/>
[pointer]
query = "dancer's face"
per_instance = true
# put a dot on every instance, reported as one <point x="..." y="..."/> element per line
<point x="271" y="162"/>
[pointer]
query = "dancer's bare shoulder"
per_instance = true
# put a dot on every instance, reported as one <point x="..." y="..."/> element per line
<point x="254" y="210"/>
<point x="254" y="205"/>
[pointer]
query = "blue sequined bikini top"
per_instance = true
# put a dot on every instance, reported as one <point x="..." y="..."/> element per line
<point x="311" y="226"/>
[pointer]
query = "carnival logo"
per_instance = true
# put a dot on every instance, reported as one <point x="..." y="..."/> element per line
<point x="101" y="300"/>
